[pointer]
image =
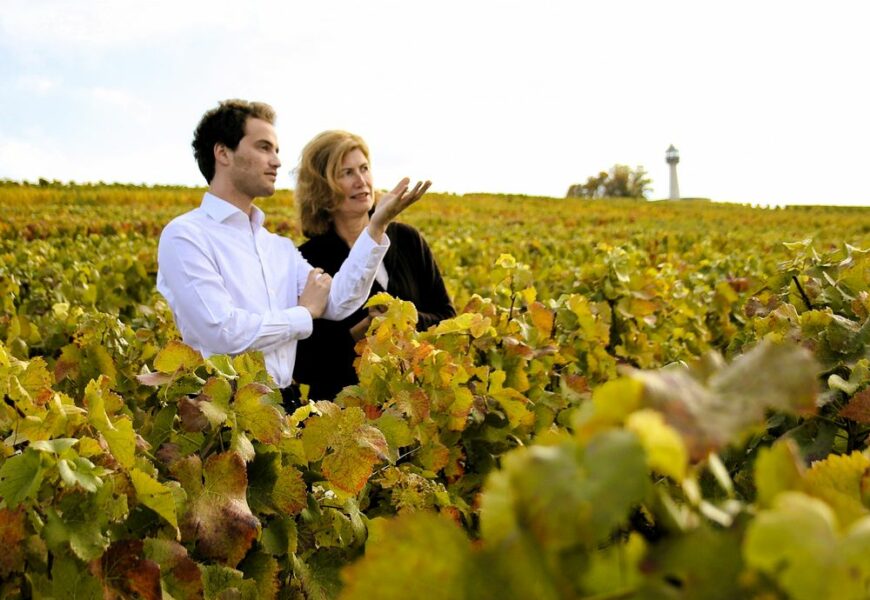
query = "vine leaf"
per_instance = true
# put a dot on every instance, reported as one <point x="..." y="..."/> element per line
<point x="542" y="318"/>
<point x="348" y="446"/>
<point x="838" y="480"/>
<point x="124" y="572"/>
<point x="119" y="434"/>
<point x="20" y="477"/>
<point x="290" y="494"/>
<point x="567" y="494"/>
<point x="155" y="495"/>
<point x="798" y="543"/>
<point x="12" y="535"/>
<point x="218" y="517"/>
<point x="858" y="408"/>
<point x="511" y="401"/>
<point x="712" y="404"/>
<point x="263" y="569"/>
<point x="177" y="356"/>
<point x="665" y="451"/>
<point x="258" y="413"/>
<point x="778" y="469"/>
<point x="401" y="564"/>
<point x="179" y="573"/>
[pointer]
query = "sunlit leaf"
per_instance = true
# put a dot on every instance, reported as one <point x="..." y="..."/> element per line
<point x="177" y="356"/>
<point x="401" y="564"/>
<point x="797" y="542"/>
<point x="155" y="495"/>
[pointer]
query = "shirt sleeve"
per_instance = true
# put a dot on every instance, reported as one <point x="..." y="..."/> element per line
<point x="353" y="282"/>
<point x="204" y="311"/>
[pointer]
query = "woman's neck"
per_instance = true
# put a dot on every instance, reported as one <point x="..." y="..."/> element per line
<point x="349" y="228"/>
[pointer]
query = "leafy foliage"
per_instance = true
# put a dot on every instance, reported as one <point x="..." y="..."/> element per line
<point x="635" y="401"/>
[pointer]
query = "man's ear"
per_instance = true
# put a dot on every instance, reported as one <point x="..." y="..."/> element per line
<point x="221" y="154"/>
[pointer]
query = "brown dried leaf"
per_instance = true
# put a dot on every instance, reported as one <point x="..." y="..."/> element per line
<point x="858" y="408"/>
<point x="125" y="572"/>
<point x="218" y="517"/>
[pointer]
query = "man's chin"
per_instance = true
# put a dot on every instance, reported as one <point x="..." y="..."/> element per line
<point x="266" y="191"/>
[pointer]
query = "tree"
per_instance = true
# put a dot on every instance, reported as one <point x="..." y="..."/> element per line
<point x="620" y="182"/>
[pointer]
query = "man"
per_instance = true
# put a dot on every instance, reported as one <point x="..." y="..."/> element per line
<point x="232" y="285"/>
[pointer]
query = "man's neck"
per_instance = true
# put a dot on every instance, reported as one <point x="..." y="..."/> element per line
<point x="229" y="194"/>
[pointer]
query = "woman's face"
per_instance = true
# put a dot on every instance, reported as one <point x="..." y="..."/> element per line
<point x="355" y="181"/>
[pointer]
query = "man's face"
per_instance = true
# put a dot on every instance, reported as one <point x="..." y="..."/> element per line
<point x="254" y="163"/>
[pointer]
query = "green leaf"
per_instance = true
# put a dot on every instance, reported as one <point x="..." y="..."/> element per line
<point x="56" y="446"/>
<point x="611" y="403"/>
<point x="703" y="564"/>
<point x="155" y="495"/>
<point x="401" y="563"/>
<point x="513" y="403"/>
<point x="396" y="432"/>
<point x="223" y="582"/>
<point x="262" y="569"/>
<point x="616" y="569"/>
<point x="71" y="580"/>
<point x="80" y="471"/>
<point x="20" y="477"/>
<point x="279" y="536"/>
<point x="777" y="469"/>
<point x="74" y="523"/>
<point x="797" y="543"/>
<point x="565" y="495"/>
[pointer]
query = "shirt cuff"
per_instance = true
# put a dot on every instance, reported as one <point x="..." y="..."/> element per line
<point x="301" y="323"/>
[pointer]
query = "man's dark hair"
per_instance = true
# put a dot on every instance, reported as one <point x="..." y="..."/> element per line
<point x="225" y="125"/>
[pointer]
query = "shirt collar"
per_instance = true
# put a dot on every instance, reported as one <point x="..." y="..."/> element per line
<point x="220" y="210"/>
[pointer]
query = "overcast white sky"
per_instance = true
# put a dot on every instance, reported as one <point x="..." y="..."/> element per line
<point x="767" y="101"/>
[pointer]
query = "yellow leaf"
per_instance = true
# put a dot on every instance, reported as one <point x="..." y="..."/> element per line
<point x="665" y="451"/>
<point x="176" y="355"/>
<point x="542" y="318"/>
<point x="155" y="496"/>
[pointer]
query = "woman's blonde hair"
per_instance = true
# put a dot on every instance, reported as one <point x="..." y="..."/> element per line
<point x="317" y="190"/>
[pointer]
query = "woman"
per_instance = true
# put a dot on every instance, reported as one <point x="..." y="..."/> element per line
<point x="335" y="195"/>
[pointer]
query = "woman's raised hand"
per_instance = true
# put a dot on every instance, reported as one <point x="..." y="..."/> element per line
<point x="392" y="204"/>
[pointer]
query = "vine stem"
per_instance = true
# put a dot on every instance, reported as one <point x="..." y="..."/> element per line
<point x="401" y="456"/>
<point x="803" y="294"/>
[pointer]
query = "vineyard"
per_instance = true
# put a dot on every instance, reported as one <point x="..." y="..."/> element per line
<point x="636" y="400"/>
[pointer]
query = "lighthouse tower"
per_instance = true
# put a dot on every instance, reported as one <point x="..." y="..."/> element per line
<point x="672" y="157"/>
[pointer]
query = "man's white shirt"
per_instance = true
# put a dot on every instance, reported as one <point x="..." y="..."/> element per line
<point x="233" y="286"/>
